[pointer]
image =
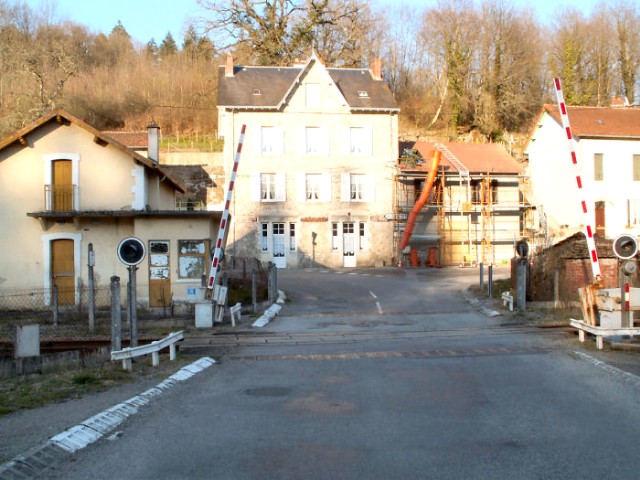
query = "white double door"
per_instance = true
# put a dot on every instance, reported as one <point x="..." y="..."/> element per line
<point x="278" y="241"/>
<point x="348" y="245"/>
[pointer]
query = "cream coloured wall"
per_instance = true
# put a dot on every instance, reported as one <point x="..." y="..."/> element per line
<point x="312" y="220"/>
<point x="105" y="183"/>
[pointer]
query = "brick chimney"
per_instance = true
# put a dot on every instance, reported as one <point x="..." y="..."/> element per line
<point x="228" y="68"/>
<point x="153" y="142"/>
<point x="376" y="68"/>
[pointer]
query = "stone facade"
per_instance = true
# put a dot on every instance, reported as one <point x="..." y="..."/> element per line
<point x="314" y="181"/>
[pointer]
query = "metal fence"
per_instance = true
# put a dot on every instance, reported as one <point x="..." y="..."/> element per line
<point x="65" y="311"/>
<point x="85" y="312"/>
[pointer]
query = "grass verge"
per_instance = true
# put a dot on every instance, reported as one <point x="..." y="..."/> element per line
<point x="38" y="389"/>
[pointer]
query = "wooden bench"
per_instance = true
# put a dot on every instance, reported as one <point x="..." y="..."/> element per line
<point x="153" y="348"/>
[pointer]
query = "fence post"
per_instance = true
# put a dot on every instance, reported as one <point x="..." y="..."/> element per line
<point x="490" y="280"/>
<point x="272" y="282"/>
<point x="133" y="308"/>
<point x="55" y="305"/>
<point x="92" y="293"/>
<point x="254" y="289"/>
<point x="556" y="288"/>
<point x="116" y="315"/>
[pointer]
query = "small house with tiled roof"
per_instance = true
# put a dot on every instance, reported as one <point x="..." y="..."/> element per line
<point x="67" y="189"/>
<point x="606" y="141"/>
<point x="475" y="211"/>
<point x="313" y="183"/>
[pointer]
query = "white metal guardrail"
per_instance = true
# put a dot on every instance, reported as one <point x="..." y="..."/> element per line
<point x="507" y="299"/>
<point x="153" y="348"/>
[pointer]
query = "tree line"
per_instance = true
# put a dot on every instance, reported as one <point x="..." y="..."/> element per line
<point x="454" y="66"/>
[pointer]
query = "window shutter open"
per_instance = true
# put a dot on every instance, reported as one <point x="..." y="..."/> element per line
<point x="325" y="194"/>
<point x="345" y="187"/>
<point x="255" y="187"/>
<point x="281" y="187"/>
<point x="301" y="187"/>
<point x="369" y="188"/>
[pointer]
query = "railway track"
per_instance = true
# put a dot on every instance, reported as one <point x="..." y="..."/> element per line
<point x="266" y="339"/>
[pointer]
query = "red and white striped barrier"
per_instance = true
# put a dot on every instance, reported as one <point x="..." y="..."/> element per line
<point x="225" y="214"/>
<point x="627" y="297"/>
<point x="591" y="244"/>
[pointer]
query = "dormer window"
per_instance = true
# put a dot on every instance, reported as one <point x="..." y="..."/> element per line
<point x="257" y="91"/>
<point x="363" y="94"/>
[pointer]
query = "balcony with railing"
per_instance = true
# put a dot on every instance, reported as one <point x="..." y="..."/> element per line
<point x="190" y="205"/>
<point x="60" y="198"/>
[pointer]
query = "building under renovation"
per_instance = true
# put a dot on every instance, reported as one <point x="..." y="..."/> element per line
<point x="458" y="204"/>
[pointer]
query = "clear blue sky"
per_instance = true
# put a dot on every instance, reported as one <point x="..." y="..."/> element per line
<point x="146" y="19"/>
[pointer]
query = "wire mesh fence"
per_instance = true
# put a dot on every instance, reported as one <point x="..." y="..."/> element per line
<point x="84" y="312"/>
<point x="59" y="312"/>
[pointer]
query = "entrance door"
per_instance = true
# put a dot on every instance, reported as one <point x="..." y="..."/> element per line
<point x="278" y="239"/>
<point x="348" y="244"/>
<point x="599" y="210"/>
<point x="62" y="188"/>
<point x="62" y="271"/>
<point x="159" y="274"/>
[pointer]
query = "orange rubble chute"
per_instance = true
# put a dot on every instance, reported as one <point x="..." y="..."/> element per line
<point x="424" y="196"/>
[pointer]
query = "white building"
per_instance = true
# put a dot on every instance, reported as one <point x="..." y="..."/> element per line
<point x="607" y="145"/>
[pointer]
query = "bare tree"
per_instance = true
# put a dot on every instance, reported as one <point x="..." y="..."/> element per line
<point x="262" y="27"/>
<point x="508" y="64"/>
<point x="569" y="59"/>
<point x="601" y="52"/>
<point x="626" y="17"/>
<point x="338" y="30"/>
<point x="450" y="32"/>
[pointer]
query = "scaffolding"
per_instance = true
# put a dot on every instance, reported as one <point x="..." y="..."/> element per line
<point x="463" y="207"/>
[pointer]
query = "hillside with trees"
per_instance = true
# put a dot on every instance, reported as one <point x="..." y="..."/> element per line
<point x="455" y="67"/>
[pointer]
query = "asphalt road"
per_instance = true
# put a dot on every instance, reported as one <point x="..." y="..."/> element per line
<point x="382" y="375"/>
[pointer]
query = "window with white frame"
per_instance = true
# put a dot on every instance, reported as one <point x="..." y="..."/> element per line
<point x="598" y="167"/>
<point x="633" y="212"/>
<point x="271" y="140"/>
<point x="268" y="187"/>
<point x="312" y="95"/>
<point x="360" y="141"/>
<point x="264" y="237"/>
<point x="315" y="141"/>
<point x="192" y="258"/>
<point x="357" y="187"/>
<point x="313" y="186"/>
<point x="636" y="168"/>
<point x="334" y="236"/>
<point x="362" y="237"/>
<point x="293" y="245"/>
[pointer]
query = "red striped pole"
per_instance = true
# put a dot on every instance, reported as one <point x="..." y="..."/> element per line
<point x="627" y="297"/>
<point x="591" y="243"/>
<point x="225" y="214"/>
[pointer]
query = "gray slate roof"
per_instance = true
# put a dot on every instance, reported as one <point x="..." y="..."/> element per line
<point x="275" y="84"/>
